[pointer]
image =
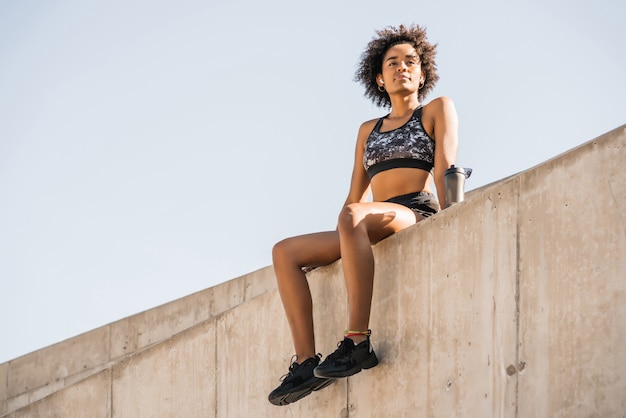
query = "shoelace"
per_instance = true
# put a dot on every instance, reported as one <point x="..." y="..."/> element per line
<point x="343" y="348"/>
<point x="294" y="367"/>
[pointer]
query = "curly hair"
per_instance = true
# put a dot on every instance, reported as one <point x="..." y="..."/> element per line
<point x="372" y="60"/>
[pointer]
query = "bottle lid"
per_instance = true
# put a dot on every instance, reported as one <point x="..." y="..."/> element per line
<point x="453" y="169"/>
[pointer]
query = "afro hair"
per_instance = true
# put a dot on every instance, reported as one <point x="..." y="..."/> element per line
<point x="372" y="60"/>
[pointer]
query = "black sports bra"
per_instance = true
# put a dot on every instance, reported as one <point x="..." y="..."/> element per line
<point x="406" y="146"/>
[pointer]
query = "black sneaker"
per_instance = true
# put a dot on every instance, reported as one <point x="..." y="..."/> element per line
<point x="348" y="359"/>
<point x="298" y="383"/>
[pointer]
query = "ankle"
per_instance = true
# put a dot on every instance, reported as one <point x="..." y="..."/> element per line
<point x="302" y="358"/>
<point x="357" y="337"/>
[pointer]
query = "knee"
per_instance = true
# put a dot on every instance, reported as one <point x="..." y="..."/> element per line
<point x="280" y="252"/>
<point x="350" y="218"/>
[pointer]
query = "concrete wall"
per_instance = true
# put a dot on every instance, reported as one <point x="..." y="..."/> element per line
<point x="510" y="304"/>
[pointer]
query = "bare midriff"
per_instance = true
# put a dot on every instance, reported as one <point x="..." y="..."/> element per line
<point x="399" y="181"/>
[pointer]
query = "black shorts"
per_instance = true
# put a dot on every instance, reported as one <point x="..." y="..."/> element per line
<point x="422" y="203"/>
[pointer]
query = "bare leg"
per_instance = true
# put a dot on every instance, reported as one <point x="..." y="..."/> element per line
<point x="360" y="225"/>
<point x="289" y="256"/>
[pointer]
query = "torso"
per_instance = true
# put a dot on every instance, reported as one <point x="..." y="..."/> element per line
<point x="399" y="154"/>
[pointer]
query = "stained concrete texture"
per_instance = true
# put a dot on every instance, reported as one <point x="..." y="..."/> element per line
<point x="509" y="304"/>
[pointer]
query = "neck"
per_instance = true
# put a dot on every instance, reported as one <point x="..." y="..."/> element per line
<point x="403" y="105"/>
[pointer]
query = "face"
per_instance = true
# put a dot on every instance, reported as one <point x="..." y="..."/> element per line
<point x="402" y="69"/>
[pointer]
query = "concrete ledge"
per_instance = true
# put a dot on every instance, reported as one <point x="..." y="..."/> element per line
<point x="183" y="369"/>
<point x="90" y="397"/>
<point x="573" y="283"/>
<point x="36" y="375"/>
<point x="511" y="303"/>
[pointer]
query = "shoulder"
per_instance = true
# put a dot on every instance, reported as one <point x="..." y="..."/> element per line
<point x="365" y="130"/>
<point x="439" y="105"/>
<point x="438" y="114"/>
<point x="439" y="109"/>
<point x="367" y="126"/>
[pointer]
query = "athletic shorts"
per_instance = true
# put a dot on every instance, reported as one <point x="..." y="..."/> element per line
<point x="422" y="203"/>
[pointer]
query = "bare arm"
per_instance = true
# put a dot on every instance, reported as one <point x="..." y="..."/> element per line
<point x="360" y="182"/>
<point x="446" y="135"/>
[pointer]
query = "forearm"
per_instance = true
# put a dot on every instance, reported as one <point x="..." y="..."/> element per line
<point x="441" y="192"/>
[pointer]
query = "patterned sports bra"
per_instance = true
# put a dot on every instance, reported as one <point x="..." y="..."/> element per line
<point x="407" y="146"/>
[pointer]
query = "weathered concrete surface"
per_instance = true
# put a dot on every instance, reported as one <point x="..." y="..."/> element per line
<point x="88" y="398"/>
<point x="173" y="379"/>
<point x="34" y="376"/>
<point x="510" y="304"/>
<point x="573" y="283"/>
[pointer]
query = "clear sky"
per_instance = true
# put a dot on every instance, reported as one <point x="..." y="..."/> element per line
<point x="151" y="149"/>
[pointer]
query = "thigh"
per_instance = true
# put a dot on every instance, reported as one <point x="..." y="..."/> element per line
<point x="310" y="250"/>
<point x="382" y="219"/>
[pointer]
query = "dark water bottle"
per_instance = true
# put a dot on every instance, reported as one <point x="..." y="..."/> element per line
<point x="454" y="178"/>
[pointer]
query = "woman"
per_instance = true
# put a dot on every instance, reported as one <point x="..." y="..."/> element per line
<point x="397" y="158"/>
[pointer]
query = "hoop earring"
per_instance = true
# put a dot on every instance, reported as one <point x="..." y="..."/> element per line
<point x="422" y="85"/>
<point x="381" y="89"/>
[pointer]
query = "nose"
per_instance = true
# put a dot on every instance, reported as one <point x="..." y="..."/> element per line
<point x="402" y="66"/>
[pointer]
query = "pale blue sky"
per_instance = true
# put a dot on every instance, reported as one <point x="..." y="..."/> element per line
<point x="150" y="149"/>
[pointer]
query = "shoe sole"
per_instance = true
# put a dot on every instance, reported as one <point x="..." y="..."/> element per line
<point x="292" y="397"/>
<point x="370" y="362"/>
<point x="326" y="382"/>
